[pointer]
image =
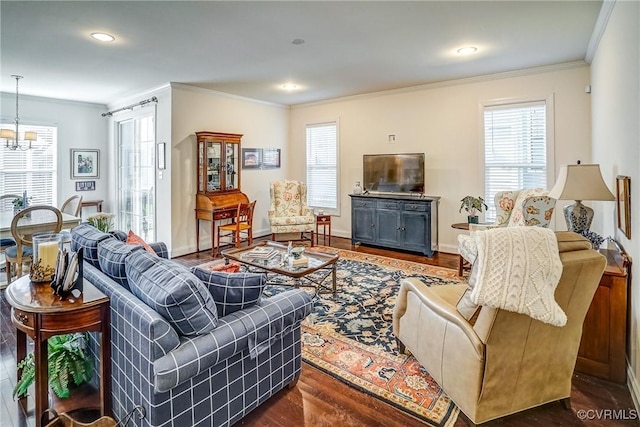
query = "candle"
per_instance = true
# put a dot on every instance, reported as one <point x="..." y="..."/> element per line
<point x="48" y="254"/>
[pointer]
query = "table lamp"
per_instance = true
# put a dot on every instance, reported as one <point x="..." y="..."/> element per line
<point x="580" y="182"/>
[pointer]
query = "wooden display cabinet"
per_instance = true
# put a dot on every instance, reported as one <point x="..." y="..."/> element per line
<point x="218" y="162"/>
<point x="218" y="175"/>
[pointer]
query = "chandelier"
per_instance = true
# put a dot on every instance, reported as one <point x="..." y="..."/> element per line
<point x="13" y="136"/>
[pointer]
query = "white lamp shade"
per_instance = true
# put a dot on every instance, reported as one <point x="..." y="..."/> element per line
<point x="7" y="133"/>
<point x="30" y="136"/>
<point x="580" y="182"/>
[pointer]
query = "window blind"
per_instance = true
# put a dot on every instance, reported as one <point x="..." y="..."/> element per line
<point x="34" y="170"/>
<point x="515" y="149"/>
<point x="322" y="166"/>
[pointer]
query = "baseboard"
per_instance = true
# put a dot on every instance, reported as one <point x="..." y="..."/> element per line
<point x="634" y="387"/>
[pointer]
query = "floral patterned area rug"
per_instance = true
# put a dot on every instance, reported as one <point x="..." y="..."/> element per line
<point x="350" y="336"/>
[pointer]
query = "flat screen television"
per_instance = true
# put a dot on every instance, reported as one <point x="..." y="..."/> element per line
<point x="394" y="173"/>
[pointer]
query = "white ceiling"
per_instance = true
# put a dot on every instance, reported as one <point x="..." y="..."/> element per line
<point x="244" y="48"/>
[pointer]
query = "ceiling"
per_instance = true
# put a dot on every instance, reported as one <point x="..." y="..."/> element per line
<point x="246" y="49"/>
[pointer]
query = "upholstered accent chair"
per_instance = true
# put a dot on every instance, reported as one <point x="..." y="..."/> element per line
<point x="288" y="212"/>
<point x="527" y="207"/>
<point x="499" y="362"/>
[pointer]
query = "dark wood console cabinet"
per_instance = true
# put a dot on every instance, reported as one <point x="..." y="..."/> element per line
<point x="395" y="221"/>
<point x="604" y="333"/>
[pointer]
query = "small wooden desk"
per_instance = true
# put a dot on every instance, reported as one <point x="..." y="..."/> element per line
<point x="324" y="221"/>
<point x="38" y="313"/>
<point x="216" y="208"/>
<point x="87" y="203"/>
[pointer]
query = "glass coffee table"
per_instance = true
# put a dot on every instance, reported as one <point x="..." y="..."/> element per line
<point x="273" y="259"/>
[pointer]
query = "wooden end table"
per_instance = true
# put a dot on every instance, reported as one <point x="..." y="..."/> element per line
<point x="324" y="221"/>
<point x="37" y="312"/>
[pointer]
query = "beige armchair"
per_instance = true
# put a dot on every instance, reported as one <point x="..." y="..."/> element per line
<point x="499" y="362"/>
<point x="288" y="212"/>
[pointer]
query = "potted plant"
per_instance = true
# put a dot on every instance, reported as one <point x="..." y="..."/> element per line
<point x="102" y="221"/>
<point x="473" y="205"/>
<point x="67" y="359"/>
<point x="18" y="204"/>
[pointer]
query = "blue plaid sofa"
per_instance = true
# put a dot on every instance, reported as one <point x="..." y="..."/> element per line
<point x="208" y="379"/>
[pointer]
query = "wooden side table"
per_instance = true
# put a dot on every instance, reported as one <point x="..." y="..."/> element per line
<point x="461" y="261"/>
<point x="324" y="221"/>
<point x="605" y="330"/>
<point x="87" y="203"/>
<point x="39" y="313"/>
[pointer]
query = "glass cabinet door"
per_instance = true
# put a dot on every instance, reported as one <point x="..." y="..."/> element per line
<point x="213" y="166"/>
<point x="231" y="170"/>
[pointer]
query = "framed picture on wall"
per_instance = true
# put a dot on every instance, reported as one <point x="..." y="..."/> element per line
<point x="623" y="195"/>
<point x="251" y="158"/>
<point x="85" y="163"/>
<point x="270" y="158"/>
<point x="85" y="185"/>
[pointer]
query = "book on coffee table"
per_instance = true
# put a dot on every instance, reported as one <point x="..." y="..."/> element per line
<point x="303" y="261"/>
<point x="262" y="252"/>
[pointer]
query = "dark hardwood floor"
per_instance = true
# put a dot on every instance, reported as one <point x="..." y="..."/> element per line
<point x="320" y="400"/>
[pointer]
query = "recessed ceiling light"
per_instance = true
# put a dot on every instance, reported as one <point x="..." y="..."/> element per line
<point x="289" y="86"/>
<point x="297" y="41"/>
<point x="103" y="37"/>
<point x="467" y="50"/>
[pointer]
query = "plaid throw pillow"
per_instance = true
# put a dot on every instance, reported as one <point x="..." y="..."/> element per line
<point x="87" y="237"/>
<point x="172" y="291"/>
<point x="232" y="291"/>
<point x="111" y="256"/>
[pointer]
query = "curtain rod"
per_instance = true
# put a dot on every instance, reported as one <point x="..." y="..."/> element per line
<point x="130" y="107"/>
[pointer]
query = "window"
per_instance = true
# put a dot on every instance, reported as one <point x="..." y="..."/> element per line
<point x="515" y="149"/>
<point x="136" y="173"/>
<point x="34" y="170"/>
<point x="322" y="166"/>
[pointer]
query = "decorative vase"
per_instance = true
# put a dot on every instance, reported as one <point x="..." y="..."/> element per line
<point x="45" y="256"/>
<point x="357" y="189"/>
<point x="472" y="219"/>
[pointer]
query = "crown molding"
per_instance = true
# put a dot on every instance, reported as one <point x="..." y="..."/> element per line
<point x="455" y="82"/>
<point x="599" y="28"/>
<point x="203" y="90"/>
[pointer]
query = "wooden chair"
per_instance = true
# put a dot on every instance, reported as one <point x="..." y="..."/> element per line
<point x="6" y="206"/>
<point x="26" y="223"/>
<point x="242" y="224"/>
<point x="72" y="206"/>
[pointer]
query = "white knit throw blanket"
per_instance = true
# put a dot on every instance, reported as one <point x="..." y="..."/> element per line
<point x="518" y="270"/>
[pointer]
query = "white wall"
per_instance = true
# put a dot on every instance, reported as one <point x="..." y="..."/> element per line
<point x="615" y="81"/>
<point x="79" y="126"/>
<point x="445" y="122"/>
<point x="263" y="126"/>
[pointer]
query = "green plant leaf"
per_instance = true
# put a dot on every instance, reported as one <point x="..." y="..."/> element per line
<point x="67" y="358"/>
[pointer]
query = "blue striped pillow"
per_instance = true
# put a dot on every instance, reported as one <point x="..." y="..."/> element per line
<point x="173" y="292"/>
<point x="232" y="291"/>
<point x="87" y="237"/>
<point x="111" y="256"/>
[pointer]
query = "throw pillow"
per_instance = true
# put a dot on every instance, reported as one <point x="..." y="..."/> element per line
<point x="87" y="237"/>
<point x="232" y="291"/>
<point x="173" y="292"/>
<point x="134" y="239"/>
<point x="112" y="254"/>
